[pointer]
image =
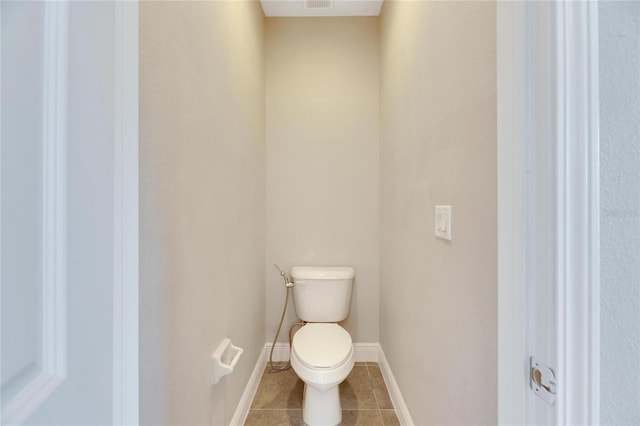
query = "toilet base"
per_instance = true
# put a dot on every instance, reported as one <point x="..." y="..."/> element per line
<point x="321" y="408"/>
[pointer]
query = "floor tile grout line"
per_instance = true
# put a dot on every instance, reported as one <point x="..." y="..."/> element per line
<point x="373" y="390"/>
<point x="375" y="396"/>
<point x="380" y="417"/>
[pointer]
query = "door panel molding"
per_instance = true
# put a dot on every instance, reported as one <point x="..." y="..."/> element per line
<point x="54" y="185"/>
<point x="52" y="362"/>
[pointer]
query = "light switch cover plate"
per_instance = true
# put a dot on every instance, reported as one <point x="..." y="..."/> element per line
<point x="443" y="222"/>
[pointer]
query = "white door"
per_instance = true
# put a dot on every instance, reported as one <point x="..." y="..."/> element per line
<point x="62" y="310"/>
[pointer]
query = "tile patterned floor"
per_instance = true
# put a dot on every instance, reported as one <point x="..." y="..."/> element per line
<point x="363" y="395"/>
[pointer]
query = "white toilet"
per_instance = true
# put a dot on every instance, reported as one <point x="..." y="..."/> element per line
<point x="322" y="351"/>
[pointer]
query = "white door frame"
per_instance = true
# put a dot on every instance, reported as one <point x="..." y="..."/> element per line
<point x="578" y="293"/>
<point x="125" y="244"/>
<point x="573" y="58"/>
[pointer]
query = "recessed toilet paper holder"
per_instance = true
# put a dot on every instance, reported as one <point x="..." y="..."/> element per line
<point x="224" y="359"/>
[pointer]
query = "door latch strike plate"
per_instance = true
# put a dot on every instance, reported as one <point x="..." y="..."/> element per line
<point x="542" y="380"/>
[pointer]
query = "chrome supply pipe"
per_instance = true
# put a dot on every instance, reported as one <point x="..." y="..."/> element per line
<point x="288" y="283"/>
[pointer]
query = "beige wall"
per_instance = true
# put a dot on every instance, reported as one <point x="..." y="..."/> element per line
<point x="438" y="310"/>
<point x="201" y="204"/>
<point x="322" y="188"/>
<point x="365" y="132"/>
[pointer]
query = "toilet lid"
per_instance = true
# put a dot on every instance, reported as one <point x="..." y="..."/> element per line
<point x="322" y="345"/>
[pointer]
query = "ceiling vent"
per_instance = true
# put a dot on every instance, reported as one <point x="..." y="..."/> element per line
<point x="320" y="7"/>
<point x="318" y="4"/>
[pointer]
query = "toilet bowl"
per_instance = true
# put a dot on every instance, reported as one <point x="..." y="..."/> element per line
<point x="322" y="356"/>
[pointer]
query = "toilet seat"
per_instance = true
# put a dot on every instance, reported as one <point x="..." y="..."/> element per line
<point x="322" y="346"/>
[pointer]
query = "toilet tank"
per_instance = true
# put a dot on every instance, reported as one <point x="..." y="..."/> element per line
<point x="322" y="293"/>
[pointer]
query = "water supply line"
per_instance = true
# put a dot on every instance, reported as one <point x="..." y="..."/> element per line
<point x="288" y="283"/>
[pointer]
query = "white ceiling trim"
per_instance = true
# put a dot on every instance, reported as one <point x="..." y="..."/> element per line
<point x="338" y="8"/>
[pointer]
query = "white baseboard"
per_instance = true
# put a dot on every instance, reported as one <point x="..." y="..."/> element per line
<point x="364" y="352"/>
<point x="280" y="352"/>
<point x="402" y="411"/>
<point x="242" y="410"/>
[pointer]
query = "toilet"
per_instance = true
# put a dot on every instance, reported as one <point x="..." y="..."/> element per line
<point x="321" y="350"/>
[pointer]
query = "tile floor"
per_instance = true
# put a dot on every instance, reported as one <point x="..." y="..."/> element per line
<point x="363" y="395"/>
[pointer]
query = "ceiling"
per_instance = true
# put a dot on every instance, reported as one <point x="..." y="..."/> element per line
<point x="304" y="8"/>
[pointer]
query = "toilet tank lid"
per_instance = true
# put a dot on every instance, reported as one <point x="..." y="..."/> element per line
<point x="323" y="272"/>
